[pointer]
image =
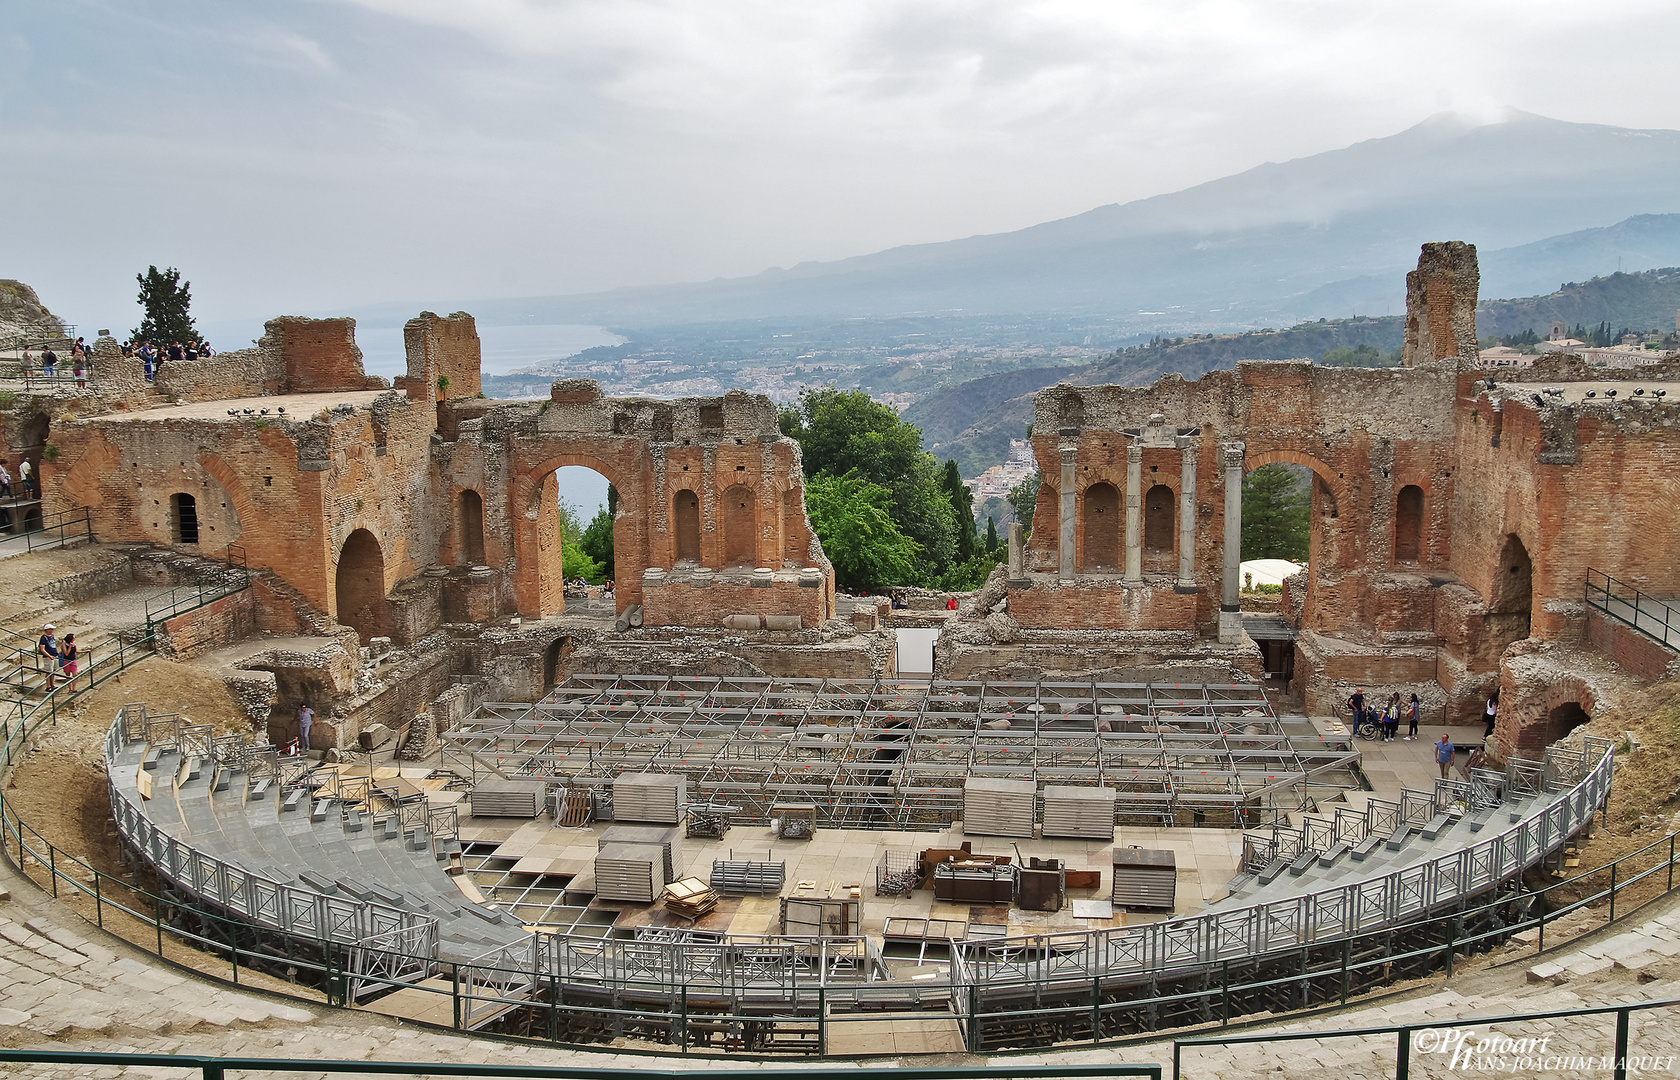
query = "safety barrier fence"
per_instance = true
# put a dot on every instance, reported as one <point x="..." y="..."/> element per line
<point x="185" y="598"/>
<point x="1654" y="618"/>
<point x="48" y="530"/>
<point x="1512" y="1055"/>
<point x="216" y="1068"/>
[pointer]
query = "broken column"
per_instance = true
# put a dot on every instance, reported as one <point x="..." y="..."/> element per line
<point x="1017" y="551"/>
<point x="1068" y="448"/>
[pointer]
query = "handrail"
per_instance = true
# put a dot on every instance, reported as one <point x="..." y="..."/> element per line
<point x="184" y="598"/>
<point x="216" y="1067"/>
<point x="1603" y="597"/>
<point x="1446" y="1039"/>
<point x="66" y="523"/>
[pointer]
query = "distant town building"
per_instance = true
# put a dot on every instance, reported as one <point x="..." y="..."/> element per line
<point x="1507" y="357"/>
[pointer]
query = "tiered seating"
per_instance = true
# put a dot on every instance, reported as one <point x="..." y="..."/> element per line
<point x="281" y="832"/>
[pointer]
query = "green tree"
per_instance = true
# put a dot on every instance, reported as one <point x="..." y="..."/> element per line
<point x="597" y="540"/>
<point x="844" y="431"/>
<point x="575" y="561"/>
<point x="962" y="507"/>
<point x="165" y="298"/>
<point x="991" y="533"/>
<point x="1023" y="498"/>
<point x="1276" y="505"/>
<point x="853" y="519"/>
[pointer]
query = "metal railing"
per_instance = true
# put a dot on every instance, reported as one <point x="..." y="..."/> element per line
<point x="1468" y="1055"/>
<point x="1654" y="618"/>
<point x="215" y="1068"/>
<point x="52" y="529"/>
<point x="22" y="669"/>
<point x="184" y="598"/>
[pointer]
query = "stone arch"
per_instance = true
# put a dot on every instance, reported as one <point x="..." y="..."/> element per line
<point x="1102" y="521"/>
<point x="360" y="587"/>
<point x="1334" y="485"/>
<point x="739" y="517"/>
<point x="554" y="662"/>
<point x="685" y="523"/>
<point x="796" y="538"/>
<point x="540" y="582"/>
<point x="1408" y="525"/>
<point x="469" y="528"/>
<point x="1510" y="606"/>
<point x="1160" y="529"/>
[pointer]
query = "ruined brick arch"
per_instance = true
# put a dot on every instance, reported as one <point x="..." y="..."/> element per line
<point x="1102" y="521"/>
<point x="243" y="509"/>
<point x="538" y="579"/>
<point x="1334" y="484"/>
<point x="359" y="586"/>
<point x="1528" y="723"/>
<point x="738" y="514"/>
<point x="469" y="527"/>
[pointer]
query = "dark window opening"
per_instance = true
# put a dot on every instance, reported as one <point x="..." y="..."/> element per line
<point x="1102" y="528"/>
<point x="183" y="510"/>
<point x="1408" y="524"/>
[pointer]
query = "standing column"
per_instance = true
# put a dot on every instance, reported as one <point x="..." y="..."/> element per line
<point x="1134" y="513"/>
<point x="1187" y="448"/>
<point x="1230" y="608"/>
<point x="1069" y="450"/>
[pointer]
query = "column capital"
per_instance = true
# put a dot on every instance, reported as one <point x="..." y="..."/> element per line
<point x="1188" y="445"/>
<point x="1231" y="454"/>
<point x="1134" y="453"/>
<point x="1068" y="452"/>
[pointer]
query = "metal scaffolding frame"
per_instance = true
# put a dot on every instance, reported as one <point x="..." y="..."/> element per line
<point x="885" y="755"/>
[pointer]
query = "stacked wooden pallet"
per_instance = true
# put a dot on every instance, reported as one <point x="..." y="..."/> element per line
<point x="629" y="872"/>
<point x="1144" y="878"/>
<point x="993" y="807"/>
<point x="1079" y="812"/>
<point x="690" y="898"/>
<point x="668" y="839"/>
<point x="650" y="797"/>
<point x="495" y="797"/>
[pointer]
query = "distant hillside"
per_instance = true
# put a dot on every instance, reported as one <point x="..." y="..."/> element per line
<point x="974" y="421"/>
<point x="1197" y="354"/>
<point x="1644" y="301"/>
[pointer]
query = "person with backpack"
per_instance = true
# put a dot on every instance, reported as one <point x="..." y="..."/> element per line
<point x="1391" y="717"/>
<point x="1414" y="713"/>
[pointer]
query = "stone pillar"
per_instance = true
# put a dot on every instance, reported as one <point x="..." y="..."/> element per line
<point x="1230" y="608"/>
<point x="1188" y="445"/>
<point x="1017" y="551"/>
<point x="1068" y="449"/>
<point x="1134" y="514"/>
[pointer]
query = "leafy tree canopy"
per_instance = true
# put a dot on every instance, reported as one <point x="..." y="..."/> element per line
<point x="575" y="561"/>
<point x="1276" y="506"/>
<point x="165" y="298"/>
<point x="597" y="540"/>
<point x="853" y="519"/>
<point x="1023" y="498"/>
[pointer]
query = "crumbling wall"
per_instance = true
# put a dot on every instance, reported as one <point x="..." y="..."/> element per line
<point x="441" y="348"/>
<point x="1441" y="306"/>
<point x="319" y="354"/>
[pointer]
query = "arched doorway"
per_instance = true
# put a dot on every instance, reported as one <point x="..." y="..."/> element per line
<point x="1159" y="529"/>
<point x="1511" y="603"/>
<point x="361" y="586"/>
<point x="1561" y="721"/>
<point x="554" y="662"/>
<point x="1408" y="525"/>
<point x="740" y="526"/>
<point x="1102" y="529"/>
<point x="469" y="526"/>
<point x="686" y="513"/>
<point x="183" y="518"/>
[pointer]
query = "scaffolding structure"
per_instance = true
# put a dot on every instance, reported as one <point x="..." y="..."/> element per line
<point x="879" y="754"/>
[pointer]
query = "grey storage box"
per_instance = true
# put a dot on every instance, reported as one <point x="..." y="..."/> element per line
<point x="998" y="807"/>
<point x="666" y="837"/>
<point x="1083" y="813"/>
<point x="656" y="798"/>
<point x="1144" y="878"/>
<point x="630" y="872"/>
<point x="495" y="797"/>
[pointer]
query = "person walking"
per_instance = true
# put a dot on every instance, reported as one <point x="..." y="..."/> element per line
<point x="5" y="483"/>
<point x="1444" y="751"/>
<point x="26" y="477"/>
<point x="1414" y="711"/>
<point x="49" y="363"/>
<point x="306" y="720"/>
<point x="1490" y="713"/>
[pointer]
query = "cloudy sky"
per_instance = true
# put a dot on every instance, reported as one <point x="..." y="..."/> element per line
<point x="316" y="156"/>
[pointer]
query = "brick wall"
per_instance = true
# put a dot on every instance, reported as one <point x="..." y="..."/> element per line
<point x="684" y="604"/>
<point x="216" y="625"/>
<point x="1101" y="604"/>
<point x="1632" y="651"/>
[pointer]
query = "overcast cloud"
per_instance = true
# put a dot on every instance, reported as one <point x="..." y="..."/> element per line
<point x="316" y="156"/>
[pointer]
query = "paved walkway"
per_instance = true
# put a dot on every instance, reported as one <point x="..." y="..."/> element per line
<point x="1659" y="618"/>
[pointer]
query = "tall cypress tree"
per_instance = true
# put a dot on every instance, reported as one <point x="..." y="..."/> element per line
<point x="991" y="533"/>
<point x="165" y="299"/>
<point x="962" y="506"/>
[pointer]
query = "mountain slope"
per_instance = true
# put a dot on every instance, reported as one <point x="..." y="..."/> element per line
<point x="1245" y="248"/>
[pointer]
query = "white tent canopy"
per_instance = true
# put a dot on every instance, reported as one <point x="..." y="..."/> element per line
<point x="1267" y="572"/>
